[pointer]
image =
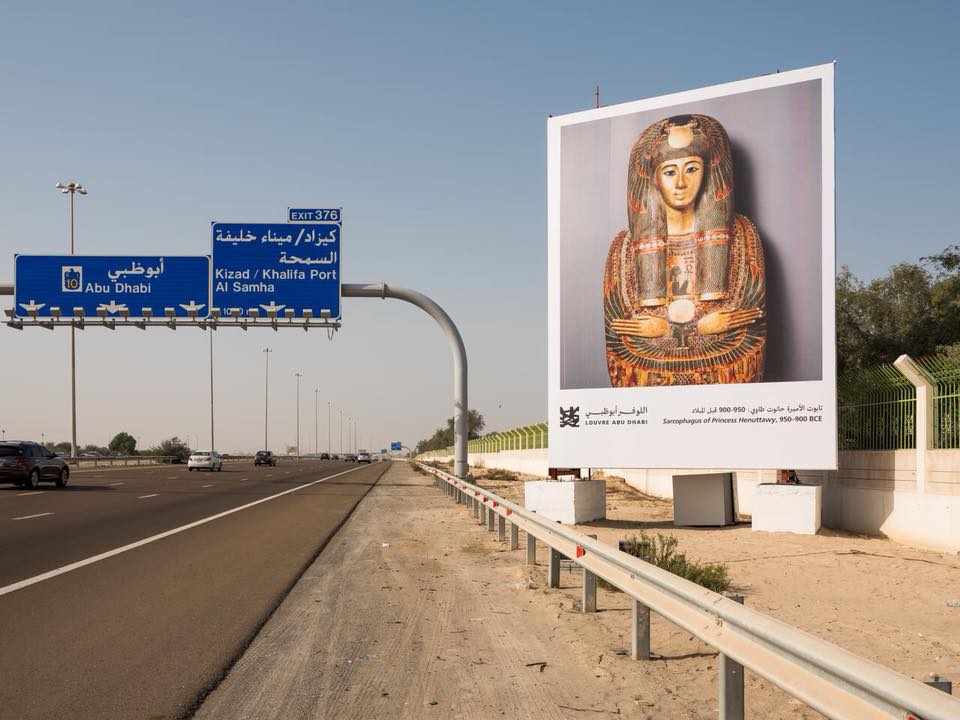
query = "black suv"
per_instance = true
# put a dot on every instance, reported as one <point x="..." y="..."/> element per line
<point x="29" y="463"/>
<point x="264" y="457"/>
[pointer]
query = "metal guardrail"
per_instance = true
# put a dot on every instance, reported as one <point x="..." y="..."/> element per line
<point x="111" y="460"/>
<point x="823" y="676"/>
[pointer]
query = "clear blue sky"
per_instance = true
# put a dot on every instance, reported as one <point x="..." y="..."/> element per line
<point x="426" y="123"/>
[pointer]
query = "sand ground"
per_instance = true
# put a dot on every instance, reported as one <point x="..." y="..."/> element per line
<point x="415" y="611"/>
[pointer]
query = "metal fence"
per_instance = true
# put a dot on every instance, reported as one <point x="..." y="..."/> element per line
<point x="531" y="437"/>
<point x="876" y="410"/>
<point x="944" y="374"/>
<point x="821" y="675"/>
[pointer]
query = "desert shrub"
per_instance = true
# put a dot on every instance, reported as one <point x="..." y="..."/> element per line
<point x="661" y="550"/>
<point x="501" y="474"/>
<point x="479" y="463"/>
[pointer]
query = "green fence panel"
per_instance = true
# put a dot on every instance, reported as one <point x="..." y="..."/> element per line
<point x="944" y="374"/>
<point x="877" y="410"/>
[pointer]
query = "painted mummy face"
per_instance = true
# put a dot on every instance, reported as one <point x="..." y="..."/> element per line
<point x="679" y="181"/>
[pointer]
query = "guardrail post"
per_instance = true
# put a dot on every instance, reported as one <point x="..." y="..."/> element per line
<point x="490" y="515"/>
<point x="641" y="631"/>
<point x="483" y="513"/>
<point x="476" y="509"/>
<point x="514" y="536"/>
<point x="553" y="569"/>
<point x="531" y="549"/>
<point x="588" y="594"/>
<point x="731" y="683"/>
<point x="501" y="528"/>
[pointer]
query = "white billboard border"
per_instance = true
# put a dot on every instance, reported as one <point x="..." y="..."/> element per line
<point x="557" y="455"/>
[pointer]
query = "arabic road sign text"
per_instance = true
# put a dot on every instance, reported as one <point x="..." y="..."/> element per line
<point x="115" y="285"/>
<point x="276" y="268"/>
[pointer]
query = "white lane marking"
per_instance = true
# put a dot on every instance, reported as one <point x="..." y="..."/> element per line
<point x="153" y="538"/>
<point x="35" y="492"/>
<point x="28" y="517"/>
<point x="207" y="485"/>
<point x="119" y="483"/>
<point x="144" y="497"/>
<point x="172" y="478"/>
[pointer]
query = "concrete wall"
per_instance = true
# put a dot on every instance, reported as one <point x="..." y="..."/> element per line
<point x="874" y="492"/>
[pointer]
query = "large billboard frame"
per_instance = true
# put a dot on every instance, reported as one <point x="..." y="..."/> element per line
<point x="783" y="423"/>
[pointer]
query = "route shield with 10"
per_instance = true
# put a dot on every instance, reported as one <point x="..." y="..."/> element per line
<point x="134" y="286"/>
<point x="276" y="268"/>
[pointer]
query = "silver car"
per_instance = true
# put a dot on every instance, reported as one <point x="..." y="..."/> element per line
<point x="203" y="460"/>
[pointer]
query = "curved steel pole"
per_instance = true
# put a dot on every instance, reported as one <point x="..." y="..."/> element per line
<point x="382" y="290"/>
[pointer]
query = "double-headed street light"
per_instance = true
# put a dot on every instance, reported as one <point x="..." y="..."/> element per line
<point x="71" y="189"/>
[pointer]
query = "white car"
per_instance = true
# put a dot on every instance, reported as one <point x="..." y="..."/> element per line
<point x="201" y="459"/>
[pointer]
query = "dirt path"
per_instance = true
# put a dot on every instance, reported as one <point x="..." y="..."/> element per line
<point x="415" y="611"/>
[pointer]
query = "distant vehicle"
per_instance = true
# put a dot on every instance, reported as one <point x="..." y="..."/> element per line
<point x="203" y="460"/>
<point x="363" y="457"/>
<point x="349" y="457"/>
<point x="324" y="456"/>
<point x="91" y="455"/>
<point x="28" y="463"/>
<point x="334" y="456"/>
<point x="264" y="457"/>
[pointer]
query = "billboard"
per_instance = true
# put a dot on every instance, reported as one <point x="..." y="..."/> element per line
<point x="691" y="279"/>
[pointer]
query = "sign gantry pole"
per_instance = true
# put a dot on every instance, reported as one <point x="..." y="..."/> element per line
<point x="383" y="291"/>
<point x="299" y="375"/>
<point x="213" y="444"/>
<point x="266" y="395"/>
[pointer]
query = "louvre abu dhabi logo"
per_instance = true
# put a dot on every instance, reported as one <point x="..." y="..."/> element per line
<point x="570" y="417"/>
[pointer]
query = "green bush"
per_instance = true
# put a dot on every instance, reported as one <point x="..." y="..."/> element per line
<point x="661" y="550"/>
<point x="500" y="474"/>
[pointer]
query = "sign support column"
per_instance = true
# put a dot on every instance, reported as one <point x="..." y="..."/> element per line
<point x="383" y="291"/>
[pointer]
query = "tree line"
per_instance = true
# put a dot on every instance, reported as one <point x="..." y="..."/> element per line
<point x="914" y="309"/>
<point x="125" y="444"/>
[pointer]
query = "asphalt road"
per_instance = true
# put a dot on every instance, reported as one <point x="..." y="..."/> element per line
<point x="147" y="631"/>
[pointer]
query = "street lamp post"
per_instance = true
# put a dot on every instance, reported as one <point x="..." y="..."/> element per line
<point x="72" y="189"/>
<point x="328" y="427"/>
<point x="316" y="421"/>
<point x="341" y="432"/>
<point x="299" y="375"/>
<point x="266" y="394"/>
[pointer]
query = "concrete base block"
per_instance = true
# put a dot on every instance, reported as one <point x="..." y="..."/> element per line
<point x="568" y="502"/>
<point x="703" y="500"/>
<point x="787" y="508"/>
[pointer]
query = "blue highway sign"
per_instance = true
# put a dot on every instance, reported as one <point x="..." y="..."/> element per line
<point x="396" y="446"/>
<point x="314" y="215"/>
<point x="285" y="269"/>
<point x="115" y="285"/>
